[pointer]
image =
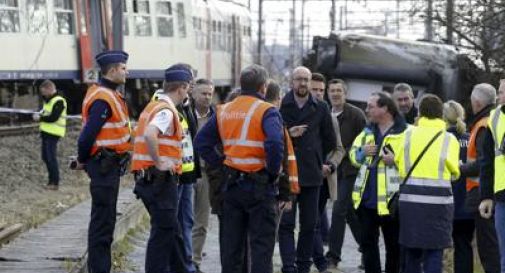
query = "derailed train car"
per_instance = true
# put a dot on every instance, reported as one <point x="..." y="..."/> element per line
<point x="374" y="63"/>
<point x="58" y="39"/>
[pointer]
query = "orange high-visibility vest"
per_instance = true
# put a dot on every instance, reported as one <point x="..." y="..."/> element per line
<point x="240" y="128"/>
<point x="471" y="152"/>
<point x="169" y="147"/>
<point x="115" y="133"/>
<point x="292" y="167"/>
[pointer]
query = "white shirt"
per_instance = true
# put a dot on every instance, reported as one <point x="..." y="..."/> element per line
<point x="164" y="119"/>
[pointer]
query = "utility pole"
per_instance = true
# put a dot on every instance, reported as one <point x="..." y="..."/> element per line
<point x="398" y="19"/>
<point x="341" y="18"/>
<point x="292" y="34"/>
<point x="302" y="29"/>
<point x="450" y="21"/>
<point x="260" y="31"/>
<point x="333" y="12"/>
<point x="429" y="21"/>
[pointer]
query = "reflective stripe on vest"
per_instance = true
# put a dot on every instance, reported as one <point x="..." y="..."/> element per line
<point x="497" y="126"/>
<point x="188" y="163"/>
<point x="471" y="153"/>
<point x="292" y="166"/>
<point x="58" y="127"/>
<point x="169" y="147"/>
<point x="438" y="187"/>
<point x="387" y="181"/>
<point x="241" y="132"/>
<point x="116" y="132"/>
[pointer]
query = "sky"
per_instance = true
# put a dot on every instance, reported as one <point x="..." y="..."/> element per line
<point x="371" y="13"/>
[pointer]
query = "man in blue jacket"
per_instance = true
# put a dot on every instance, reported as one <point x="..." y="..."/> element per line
<point x="311" y="128"/>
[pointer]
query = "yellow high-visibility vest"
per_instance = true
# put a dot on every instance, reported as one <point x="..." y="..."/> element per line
<point x="387" y="176"/>
<point x="58" y="127"/>
<point x="496" y="124"/>
<point x="188" y="161"/>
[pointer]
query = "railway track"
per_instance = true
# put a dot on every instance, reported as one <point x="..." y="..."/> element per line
<point x="19" y="130"/>
<point x="32" y="128"/>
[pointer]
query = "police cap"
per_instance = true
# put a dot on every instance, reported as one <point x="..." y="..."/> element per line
<point x="110" y="57"/>
<point x="178" y="74"/>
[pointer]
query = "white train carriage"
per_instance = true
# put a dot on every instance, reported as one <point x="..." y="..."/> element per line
<point x="57" y="39"/>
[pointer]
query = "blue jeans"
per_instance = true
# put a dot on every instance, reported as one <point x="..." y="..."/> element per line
<point x="499" y="221"/>
<point x="49" y="145"/>
<point x="423" y="260"/>
<point x="185" y="217"/>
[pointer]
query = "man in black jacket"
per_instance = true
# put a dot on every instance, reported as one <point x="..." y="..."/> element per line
<point x="310" y="126"/>
<point x="352" y="120"/>
<point x="404" y="97"/>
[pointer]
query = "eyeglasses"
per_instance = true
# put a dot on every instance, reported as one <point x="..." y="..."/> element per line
<point x="302" y="79"/>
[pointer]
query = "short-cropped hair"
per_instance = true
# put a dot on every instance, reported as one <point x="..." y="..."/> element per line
<point x="431" y="106"/>
<point x="318" y="77"/>
<point x="253" y="77"/>
<point x="340" y="81"/>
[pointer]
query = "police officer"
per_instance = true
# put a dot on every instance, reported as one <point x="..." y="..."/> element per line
<point x="103" y="151"/>
<point x="190" y="169"/>
<point x="250" y="131"/>
<point x="52" y="127"/>
<point x="157" y="164"/>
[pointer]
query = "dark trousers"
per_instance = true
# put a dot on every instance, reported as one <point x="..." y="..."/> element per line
<point x="248" y="213"/>
<point x="487" y="244"/>
<point x="49" y="156"/>
<point x="343" y="211"/>
<point x="165" y="246"/>
<point x="104" y="190"/>
<point x="307" y="202"/>
<point x="246" y="267"/>
<point x="318" y="257"/>
<point x="462" y="235"/>
<point x="423" y="260"/>
<point x="370" y="224"/>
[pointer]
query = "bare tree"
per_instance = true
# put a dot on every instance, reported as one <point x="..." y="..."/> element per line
<point x="477" y="26"/>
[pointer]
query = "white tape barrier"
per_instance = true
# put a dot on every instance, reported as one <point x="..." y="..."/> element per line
<point x="30" y="112"/>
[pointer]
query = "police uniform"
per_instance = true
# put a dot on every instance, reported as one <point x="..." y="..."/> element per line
<point x="103" y="146"/>
<point x="250" y="131"/>
<point x="52" y="128"/>
<point x="158" y="189"/>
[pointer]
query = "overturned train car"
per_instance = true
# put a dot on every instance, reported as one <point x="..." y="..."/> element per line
<point x="374" y="63"/>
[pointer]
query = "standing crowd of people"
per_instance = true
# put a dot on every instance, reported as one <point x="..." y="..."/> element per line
<point x="422" y="176"/>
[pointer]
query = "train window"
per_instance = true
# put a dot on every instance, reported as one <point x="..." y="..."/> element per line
<point x="164" y="19"/>
<point x="214" y="34"/>
<point x="181" y="20"/>
<point x="63" y="9"/>
<point x="142" y="19"/>
<point x="9" y="16"/>
<point x="37" y="16"/>
<point x="229" y="36"/>
<point x="222" y="44"/>
<point x="126" y="25"/>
